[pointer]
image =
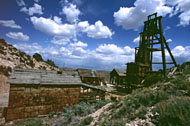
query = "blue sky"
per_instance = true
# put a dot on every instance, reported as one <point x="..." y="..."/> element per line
<point x="96" y="34"/>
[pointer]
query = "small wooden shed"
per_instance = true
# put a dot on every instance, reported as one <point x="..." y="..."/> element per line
<point x="38" y="92"/>
<point x="118" y="77"/>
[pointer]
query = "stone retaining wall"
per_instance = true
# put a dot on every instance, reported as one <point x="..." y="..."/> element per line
<point x="30" y="101"/>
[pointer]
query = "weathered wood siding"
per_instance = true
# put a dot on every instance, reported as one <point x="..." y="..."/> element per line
<point x="30" y="101"/>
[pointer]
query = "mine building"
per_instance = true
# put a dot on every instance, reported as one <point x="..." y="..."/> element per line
<point x="118" y="77"/>
<point x="39" y="92"/>
<point x="103" y="75"/>
<point x="89" y="76"/>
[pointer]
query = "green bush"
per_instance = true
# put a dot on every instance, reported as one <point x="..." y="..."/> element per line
<point x="86" y="121"/>
<point x="38" y="57"/>
<point x="29" y="122"/>
<point x="153" y="78"/>
<point x="100" y="104"/>
<point x="51" y="63"/>
<point x="22" y="54"/>
<point x="82" y="109"/>
<point x="68" y="113"/>
<point x="174" y="112"/>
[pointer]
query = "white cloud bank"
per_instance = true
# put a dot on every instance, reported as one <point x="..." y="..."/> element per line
<point x="10" y="24"/>
<point x="18" y="36"/>
<point x="105" y="56"/>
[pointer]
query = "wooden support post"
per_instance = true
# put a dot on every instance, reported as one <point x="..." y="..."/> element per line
<point x="172" y="57"/>
<point x="151" y="55"/>
<point x="162" y="46"/>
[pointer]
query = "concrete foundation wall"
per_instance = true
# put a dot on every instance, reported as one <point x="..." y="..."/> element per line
<point x="25" y="101"/>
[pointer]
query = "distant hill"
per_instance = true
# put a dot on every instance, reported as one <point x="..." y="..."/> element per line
<point x="11" y="57"/>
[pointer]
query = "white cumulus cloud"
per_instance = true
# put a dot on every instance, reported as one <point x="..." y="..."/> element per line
<point x="83" y="25"/>
<point x="184" y="7"/>
<point x="10" y="24"/>
<point x="181" y="53"/>
<point x="51" y="27"/>
<point x="98" y="30"/>
<point x="18" y="36"/>
<point x="71" y="13"/>
<point x="133" y="17"/>
<point x="169" y="40"/>
<point x="20" y="2"/>
<point x="109" y="49"/>
<point x="36" y="9"/>
<point x="79" y="44"/>
<point x="57" y="20"/>
<point x="136" y="40"/>
<point x="29" y="49"/>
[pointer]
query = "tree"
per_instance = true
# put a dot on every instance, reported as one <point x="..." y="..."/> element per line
<point x="50" y="62"/>
<point x="38" y="57"/>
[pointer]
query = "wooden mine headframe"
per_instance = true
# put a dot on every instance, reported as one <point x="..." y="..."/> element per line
<point x="151" y="36"/>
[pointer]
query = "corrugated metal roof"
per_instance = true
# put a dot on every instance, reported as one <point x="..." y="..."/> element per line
<point x="22" y="76"/>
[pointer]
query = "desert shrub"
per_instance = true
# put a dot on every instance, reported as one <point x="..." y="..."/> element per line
<point x="181" y="83"/>
<point x="153" y="78"/>
<point x="121" y="112"/>
<point x="44" y="68"/>
<point x="51" y="114"/>
<point x="29" y="122"/>
<point x="31" y="63"/>
<point x="5" y="70"/>
<point x="22" y="60"/>
<point x="185" y="68"/>
<point x="38" y="57"/>
<point x="22" y="54"/>
<point x="100" y="104"/>
<point x="86" y="121"/>
<point x="59" y="72"/>
<point x="174" y="112"/>
<point x="69" y="114"/>
<point x="82" y="109"/>
<point x="113" y="98"/>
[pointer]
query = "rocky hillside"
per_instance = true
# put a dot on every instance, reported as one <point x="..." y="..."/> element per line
<point x="162" y="103"/>
<point x="11" y="57"/>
